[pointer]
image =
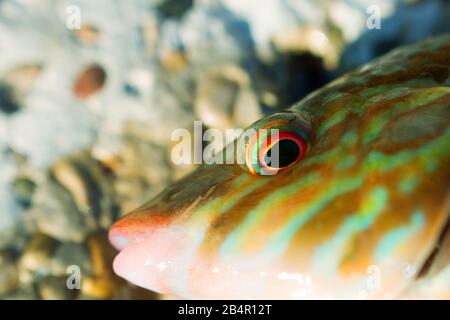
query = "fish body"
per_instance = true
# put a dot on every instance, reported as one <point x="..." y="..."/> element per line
<point x="363" y="214"/>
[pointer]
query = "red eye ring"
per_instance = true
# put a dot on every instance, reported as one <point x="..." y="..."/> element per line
<point x="276" y="143"/>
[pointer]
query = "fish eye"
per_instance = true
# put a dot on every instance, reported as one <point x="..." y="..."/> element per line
<point x="276" y="143"/>
<point x="290" y="151"/>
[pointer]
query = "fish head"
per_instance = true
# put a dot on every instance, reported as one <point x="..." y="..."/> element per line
<point x="353" y="207"/>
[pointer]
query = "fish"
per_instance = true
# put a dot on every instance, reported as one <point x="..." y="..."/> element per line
<point x="357" y="207"/>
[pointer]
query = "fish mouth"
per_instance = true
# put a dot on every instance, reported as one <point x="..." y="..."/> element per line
<point x="137" y="237"/>
<point x="163" y="256"/>
<point x="157" y="249"/>
<point x="153" y="252"/>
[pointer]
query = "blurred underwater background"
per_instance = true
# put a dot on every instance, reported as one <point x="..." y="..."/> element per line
<point x="87" y="108"/>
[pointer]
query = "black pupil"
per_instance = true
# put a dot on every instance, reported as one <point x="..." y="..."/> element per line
<point x="288" y="153"/>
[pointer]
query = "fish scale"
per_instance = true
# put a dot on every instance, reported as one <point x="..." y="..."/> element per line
<point x="372" y="192"/>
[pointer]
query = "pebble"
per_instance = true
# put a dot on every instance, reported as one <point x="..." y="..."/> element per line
<point x="22" y="79"/>
<point x="214" y="36"/>
<point x="173" y="60"/>
<point x="89" y="81"/>
<point x="102" y="283"/>
<point x="15" y="86"/>
<point x="55" y="288"/>
<point x="37" y="253"/>
<point x="23" y="189"/>
<point x="174" y="9"/>
<point x="8" y="274"/>
<point x="8" y="232"/>
<point x="55" y="213"/>
<point x="87" y="34"/>
<point x="98" y="287"/>
<point x="68" y="254"/>
<point x="67" y="174"/>
<point x="215" y="100"/>
<point x="225" y="99"/>
<point x="90" y="187"/>
<point x="8" y="102"/>
<point x="10" y="210"/>
<point x="50" y="130"/>
<point x="150" y="30"/>
<point x="24" y="292"/>
<point x="168" y="113"/>
<point x="310" y="39"/>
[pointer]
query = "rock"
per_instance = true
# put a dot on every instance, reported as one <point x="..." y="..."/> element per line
<point x="283" y="14"/>
<point x="89" y="81"/>
<point x="24" y="292"/>
<point x="55" y="288"/>
<point x="15" y="238"/>
<point x="36" y="257"/>
<point x="10" y="210"/>
<point x="9" y="230"/>
<point x="150" y="30"/>
<point x="290" y="22"/>
<point x="269" y="99"/>
<point x="98" y="287"/>
<point x="55" y="213"/>
<point x="300" y="39"/>
<point x="168" y="112"/>
<point x="154" y="113"/>
<point x="23" y="189"/>
<point x="213" y="35"/>
<point x="215" y="100"/>
<point x="8" y="102"/>
<point x="67" y="174"/>
<point x="8" y="274"/>
<point x="22" y="79"/>
<point x="50" y="130"/>
<point x="225" y="99"/>
<point x="87" y="34"/>
<point x="174" y="8"/>
<point x="89" y="186"/>
<point x="173" y="60"/>
<point x="15" y="85"/>
<point x="103" y="283"/>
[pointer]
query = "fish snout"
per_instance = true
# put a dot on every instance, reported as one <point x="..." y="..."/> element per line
<point x="154" y="251"/>
<point x="136" y="226"/>
<point x="172" y="204"/>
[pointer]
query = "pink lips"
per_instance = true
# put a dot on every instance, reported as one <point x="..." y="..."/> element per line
<point x="153" y="253"/>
